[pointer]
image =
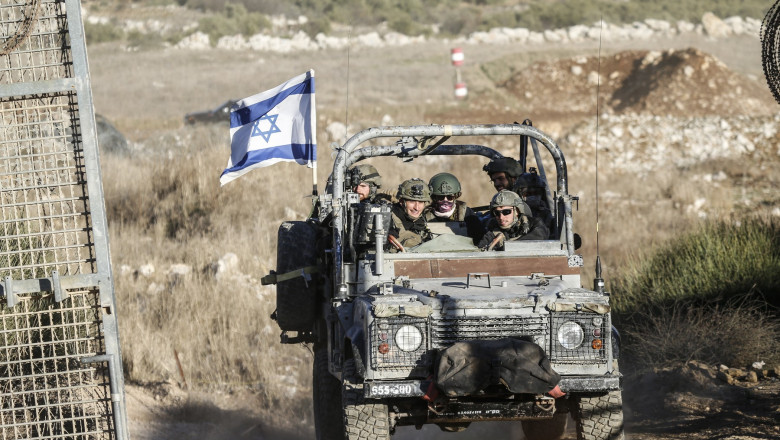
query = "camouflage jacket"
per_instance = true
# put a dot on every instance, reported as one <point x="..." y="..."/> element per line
<point x="531" y="229"/>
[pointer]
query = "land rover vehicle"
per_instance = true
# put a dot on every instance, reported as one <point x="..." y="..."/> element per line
<point x="444" y="333"/>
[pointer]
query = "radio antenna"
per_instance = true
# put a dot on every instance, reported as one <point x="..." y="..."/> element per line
<point x="598" y="281"/>
<point x="346" y="112"/>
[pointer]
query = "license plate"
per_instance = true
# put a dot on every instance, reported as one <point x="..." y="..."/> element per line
<point x="394" y="389"/>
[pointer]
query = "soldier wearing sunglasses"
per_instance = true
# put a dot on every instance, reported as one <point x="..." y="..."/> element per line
<point x="445" y="207"/>
<point x="511" y="219"/>
<point x="445" y="191"/>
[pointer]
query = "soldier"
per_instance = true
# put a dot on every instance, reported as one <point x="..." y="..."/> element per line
<point x="445" y="190"/>
<point x="409" y="227"/>
<point x="365" y="181"/>
<point x="531" y="188"/>
<point x="503" y="172"/>
<point x="512" y="220"/>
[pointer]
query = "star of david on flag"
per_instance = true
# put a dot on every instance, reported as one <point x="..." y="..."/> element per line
<point x="278" y="125"/>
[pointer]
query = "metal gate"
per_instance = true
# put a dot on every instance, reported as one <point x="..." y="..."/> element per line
<point x="60" y="363"/>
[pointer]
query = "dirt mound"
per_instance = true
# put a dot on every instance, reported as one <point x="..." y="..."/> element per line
<point x="695" y="402"/>
<point x="671" y="83"/>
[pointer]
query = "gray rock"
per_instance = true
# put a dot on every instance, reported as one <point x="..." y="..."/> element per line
<point x="714" y="26"/>
<point x="110" y="140"/>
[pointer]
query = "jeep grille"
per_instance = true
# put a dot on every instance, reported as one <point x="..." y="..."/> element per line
<point x="449" y="330"/>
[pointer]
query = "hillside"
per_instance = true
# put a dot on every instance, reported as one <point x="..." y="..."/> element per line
<point x="687" y="131"/>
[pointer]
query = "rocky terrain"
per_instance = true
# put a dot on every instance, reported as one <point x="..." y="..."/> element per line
<point x="678" y="97"/>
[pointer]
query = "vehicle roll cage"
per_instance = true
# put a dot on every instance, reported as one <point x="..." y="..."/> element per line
<point x="423" y="140"/>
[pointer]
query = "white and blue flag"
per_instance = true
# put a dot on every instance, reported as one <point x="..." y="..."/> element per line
<point x="278" y="125"/>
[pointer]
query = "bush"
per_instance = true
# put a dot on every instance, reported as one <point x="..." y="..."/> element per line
<point x="719" y="262"/>
<point x="319" y="25"/>
<point x="737" y="334"/>
<point x="403" y="25"/>
<point x="144" y="40"/>
<point x="102" y="33"/>
<point x="233" y="20"/>
<point x="711" y="295"/>
<point x="460" y="23"/>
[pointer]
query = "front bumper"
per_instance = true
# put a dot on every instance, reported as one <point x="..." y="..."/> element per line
<point x="418" y="388"/>
<point x="591" y="384"/>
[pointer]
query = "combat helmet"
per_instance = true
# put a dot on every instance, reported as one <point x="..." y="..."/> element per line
<point x="364" y="173"/>
<point x="509" y="198"/>
<point x="414" y="189"/>
<point x="529" y="183"/>
<point x="505" y="165"/>
<point x="444" y="184"/>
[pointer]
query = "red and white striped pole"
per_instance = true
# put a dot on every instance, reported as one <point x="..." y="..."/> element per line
<point x="457" y="60"/>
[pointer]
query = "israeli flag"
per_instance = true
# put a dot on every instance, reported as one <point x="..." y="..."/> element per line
<point x="278" y="125"/>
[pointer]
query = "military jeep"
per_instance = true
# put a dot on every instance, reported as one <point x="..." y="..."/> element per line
<point x="444" y="333"/>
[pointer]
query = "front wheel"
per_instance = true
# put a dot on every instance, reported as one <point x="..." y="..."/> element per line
<point x="599" y="417"/>
<point x="362" y="420"/>
<point x="326" y="397"/>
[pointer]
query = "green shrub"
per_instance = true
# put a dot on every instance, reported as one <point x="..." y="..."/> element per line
<point x="457" y="22"/>
<point x="403" y="25"/>
<point x="317" y="26"/>
<point x="721" y="261"/>
<point x="144" y="40"/>
<point x="233" y="20"/>
<point x="711" y="295"/>
<point x="102" y="33"/>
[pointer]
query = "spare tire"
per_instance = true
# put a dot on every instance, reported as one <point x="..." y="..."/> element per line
<point x="296" y="298"/>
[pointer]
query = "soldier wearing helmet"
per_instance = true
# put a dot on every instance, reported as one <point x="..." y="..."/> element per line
<point x="445" y="206"/>
<point x="531" y="188"/>
<point x="409" y="227"/>
<point x="365" y="181"/>
<point x="503" y="172"/>
<point x="511" y="220"/>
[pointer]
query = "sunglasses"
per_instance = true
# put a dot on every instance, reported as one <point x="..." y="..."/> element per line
<point x="447" y="197"/>
<point x="497" y="212"/>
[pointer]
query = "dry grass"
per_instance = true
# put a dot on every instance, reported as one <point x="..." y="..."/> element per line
<point x="165" y="205"/>
<point x="734" y="335"/>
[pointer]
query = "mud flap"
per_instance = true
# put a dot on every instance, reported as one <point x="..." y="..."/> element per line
<point x="465" y="368"/>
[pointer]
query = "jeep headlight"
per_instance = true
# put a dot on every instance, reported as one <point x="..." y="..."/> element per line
<point x="570" y="335"/>
<point x="409" y="338"/>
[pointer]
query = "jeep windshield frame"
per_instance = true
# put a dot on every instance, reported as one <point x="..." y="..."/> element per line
<point x="418" y="141"/>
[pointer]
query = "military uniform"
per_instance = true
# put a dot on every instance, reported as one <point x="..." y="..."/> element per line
<point x="532" y="188"/>
<point x="526" y="228"/>
<point x="409" y="232"/>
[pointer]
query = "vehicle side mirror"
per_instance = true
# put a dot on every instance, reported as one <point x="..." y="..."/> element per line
<point x="577" y="241"/>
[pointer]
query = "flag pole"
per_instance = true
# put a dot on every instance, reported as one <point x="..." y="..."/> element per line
<point x="314" y="178"/>
<point x="314" y="139"/>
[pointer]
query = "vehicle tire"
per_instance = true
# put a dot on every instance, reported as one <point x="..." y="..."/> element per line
<point x="362" y="420"/>
<point x="328" y="419"/>
<point x="552" y="429"/>
<point x="296" y="299"/>
<point x="599" y="417"/>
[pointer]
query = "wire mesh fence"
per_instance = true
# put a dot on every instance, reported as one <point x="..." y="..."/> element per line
<point x="60" y="365"/>
<point x="45" y="389"/>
